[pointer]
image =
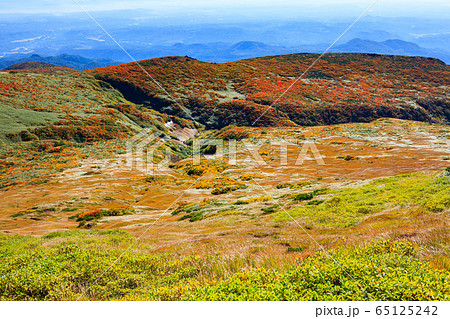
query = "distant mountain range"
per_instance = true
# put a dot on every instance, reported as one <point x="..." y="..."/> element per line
<point x="72" y="61"/>
<point x="392" y="47"/>
<point x="144" y="35"/>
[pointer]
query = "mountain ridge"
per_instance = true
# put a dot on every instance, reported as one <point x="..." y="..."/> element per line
<point x="76" y="62"/>
<point x="243" y="92"/>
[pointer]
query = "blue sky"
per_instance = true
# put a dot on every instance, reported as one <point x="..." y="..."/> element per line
<point x="250" y="8"/>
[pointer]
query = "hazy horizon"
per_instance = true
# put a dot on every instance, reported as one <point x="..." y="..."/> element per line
<point x="232" y="9"/>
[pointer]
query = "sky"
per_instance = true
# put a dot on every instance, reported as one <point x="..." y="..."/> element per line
<point x="245" y="8"/>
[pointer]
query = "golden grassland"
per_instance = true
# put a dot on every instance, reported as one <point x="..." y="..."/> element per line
<point x="389" y="243"/>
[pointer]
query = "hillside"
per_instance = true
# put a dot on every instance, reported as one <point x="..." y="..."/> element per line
<point x="52" y="110"/>
<point x="48" y="118"/>
<point x="63" y="60"/>
<point x="270" y="219"/>
<point x="340" y="88"/>
<point x="29" y="66"/>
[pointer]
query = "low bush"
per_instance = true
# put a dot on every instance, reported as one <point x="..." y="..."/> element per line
<point x="95" y="214"/>
<point x="193" y="216"/>
<point x="269" y="210"/>
<point x="302" y="196"/>
<point x="294" y="185"/>
<point x="77" y="264"/>
<point x="298" y="249"/>
<point x="315" y="202"/>
<point x="227" y="189"/>
<point x="250" y="176"/>
<point x="382" y="270"/>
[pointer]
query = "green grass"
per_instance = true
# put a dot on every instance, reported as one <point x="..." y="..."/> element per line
<point x="63" y="265"/>
<point x="422" y="193"/>
<point x="13" y="120"/>
<point x="31" y="271"/>
<point x="382" y="270"/>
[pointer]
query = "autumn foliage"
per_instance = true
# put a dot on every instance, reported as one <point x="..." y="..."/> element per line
<point x="340" y="88"/>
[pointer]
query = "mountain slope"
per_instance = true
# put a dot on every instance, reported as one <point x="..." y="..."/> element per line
<point x="71" y="107"/>
<point x="72" y="61"/>
<point x="51" y="120"/>
<point x="340" y="88"/>
<point x="29" y="66"/>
